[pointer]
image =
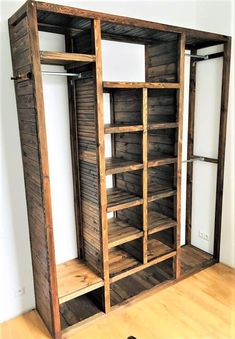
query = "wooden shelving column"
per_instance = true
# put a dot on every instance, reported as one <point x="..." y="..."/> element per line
<point x="138" y="248"/>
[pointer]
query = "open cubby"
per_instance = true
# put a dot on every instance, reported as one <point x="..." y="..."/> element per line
<point x="141" y="281"/>
<point x="162" y="146"/>
<point x="161" y="243"/>
<point x="125" y="225"/>
<point x="162" y="108"/>
<point x="161" y="182"/>
<point x="127" y="231"/>
<point x="81" y="308"/>
<point x="161" y="214"/>
<point x="125" y="257"/>
<point x="127" y="153"/>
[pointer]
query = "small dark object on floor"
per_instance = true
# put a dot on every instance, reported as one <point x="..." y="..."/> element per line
<point x="131" y="337"/>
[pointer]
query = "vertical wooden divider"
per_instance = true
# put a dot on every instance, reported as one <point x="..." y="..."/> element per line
<point x="179" y="152"/>
<point x="101" y="162"/>
<point x="145" y="175"/>
<point x="39" y="106"/>
<point x="221" y="150"/>
<point x="191" y="119"/>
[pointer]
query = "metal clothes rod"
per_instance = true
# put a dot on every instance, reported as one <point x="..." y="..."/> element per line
<point x="196" y="159"/>
<point x="197" y="56"/>
<point x="62" y="74"/>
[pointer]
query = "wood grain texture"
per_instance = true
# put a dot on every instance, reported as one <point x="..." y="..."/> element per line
<point x="61" y="58"/>
<point x="101" y="163"/>
<point x="75" y="279"/>
<point x="25" y="58"/>
<point x="191" y="303"/>
<point x="200" y="35"/>
<point x="156" y="84"/>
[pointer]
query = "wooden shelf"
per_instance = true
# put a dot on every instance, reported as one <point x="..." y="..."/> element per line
<point x="158" y="222"/>
<point x="75" y="279"/>
<point x="153" y="126"/>
<point x="120" y="165"/>
<point x="160" y="193"/>
<point x="154" y="161"/>
<point x="120" y="261"/>
<point x="119" y="199"/>
<point x="112" y="84"/>
<point x="61" y="58"/>
<point x="192" y="258"/>
<point x="121" y="232"/>
<point x="122" y="128"/>
<point x="157" y="249"/>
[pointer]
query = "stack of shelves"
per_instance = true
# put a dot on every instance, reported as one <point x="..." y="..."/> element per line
<point x="128" y="235"/>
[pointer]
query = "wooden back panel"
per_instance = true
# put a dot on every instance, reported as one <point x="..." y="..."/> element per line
<point x="89" y="177"/>
<point x="161" y="62"/>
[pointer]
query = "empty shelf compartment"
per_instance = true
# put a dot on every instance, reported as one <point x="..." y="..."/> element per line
<point x="119" y="165"/>
<point x="125" y="257"/>
<point x="162" y="106"/>
<point x="193" y="258"/>
<point x="161" y="215"/>
<point x="161" y="243"/>
<point x="141" y="281"/>
<point x="75" y="278"/>
<point x="120" y="231"/>
<point x="80" y="308"/>
<point x="161" y="182"/>
<point x="127" y="193"/>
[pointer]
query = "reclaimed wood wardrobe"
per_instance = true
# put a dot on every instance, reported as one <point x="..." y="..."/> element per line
<point x="139" y="248"/>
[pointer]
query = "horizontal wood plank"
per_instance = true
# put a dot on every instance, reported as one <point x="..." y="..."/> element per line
<point x="119" y="199"/>
<point x="120" y="165"/>
<point x="158" y="222"/>
<point x="121" y="128"/>
<point x="111" y="84"/>
<point x="152" y="126"/>
<point x="74" y="279"/>
<point x="61" y="58"/>
<point x="121" y="231"/>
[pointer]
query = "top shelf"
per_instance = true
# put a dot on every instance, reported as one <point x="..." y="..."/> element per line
<point x="112" y="84"/>
<point x="61" y="58"/>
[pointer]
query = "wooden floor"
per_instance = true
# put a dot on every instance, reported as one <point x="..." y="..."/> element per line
<point x="202" y="306"/>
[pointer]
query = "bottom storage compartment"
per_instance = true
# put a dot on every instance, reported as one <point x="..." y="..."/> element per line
<point x="81" y="308"/>
<point x="146" y="279"/>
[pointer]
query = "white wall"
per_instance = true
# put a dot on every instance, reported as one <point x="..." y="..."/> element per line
<point x="15" y="250"/>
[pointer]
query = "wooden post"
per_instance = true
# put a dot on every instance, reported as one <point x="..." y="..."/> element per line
<point x="221" y="150"/>
<point x="39" y="106"/>
<point x="191" y="118"/>
<point x="179" y="159"/>
<point x="101" y="162"/>
<point x="145" y="175"/>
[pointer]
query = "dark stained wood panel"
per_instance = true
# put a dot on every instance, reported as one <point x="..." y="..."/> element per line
<point x="120" y="261"/>
<point x="33" y="154"/>
<point x="121" y="231"/>
<point x="88" y="171"/>
<point x="119" y="199"/>
<point x="193" y="258"/>
<point x="156" y="248"/>
<point x="119" y="165"/>
<point x="158" y="222"/>
<point x="141" y="281"/>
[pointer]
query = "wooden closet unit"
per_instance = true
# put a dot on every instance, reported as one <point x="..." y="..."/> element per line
<point x="139" y="247"/>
